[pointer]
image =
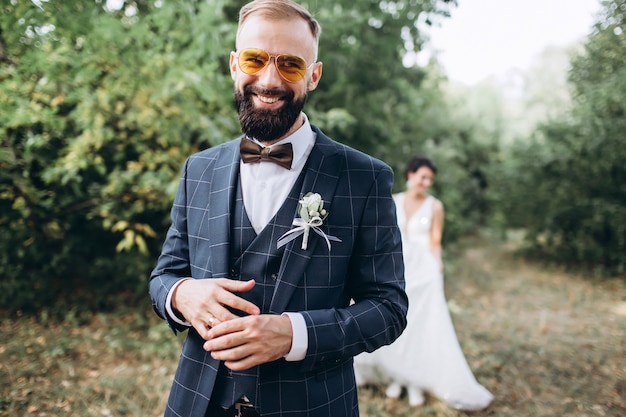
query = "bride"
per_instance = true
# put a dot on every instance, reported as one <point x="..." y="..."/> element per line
<point x="427" y="357"/>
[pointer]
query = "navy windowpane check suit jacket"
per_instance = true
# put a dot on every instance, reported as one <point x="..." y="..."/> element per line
<point x="352" y="298"/>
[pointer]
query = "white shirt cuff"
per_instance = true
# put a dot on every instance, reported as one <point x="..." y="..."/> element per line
<point x="300" y="340"/>
<point x="168" y="305"/>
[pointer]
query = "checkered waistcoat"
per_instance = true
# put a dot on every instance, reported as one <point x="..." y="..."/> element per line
<point x="255" y="257"/>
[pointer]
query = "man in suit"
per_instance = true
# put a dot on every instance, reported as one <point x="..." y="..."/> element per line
<point x="272" y="328"/>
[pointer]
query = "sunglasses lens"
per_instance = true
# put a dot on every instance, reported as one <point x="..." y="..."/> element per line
<point x="292" y="68"/>
<point x="252" y="61"/>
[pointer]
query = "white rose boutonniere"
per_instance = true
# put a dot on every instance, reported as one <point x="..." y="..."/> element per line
<point x="312" y="206"/>
<point x="312" y="215"/>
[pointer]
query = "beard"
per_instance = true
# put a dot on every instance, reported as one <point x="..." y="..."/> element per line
<point x="267" y="125"/>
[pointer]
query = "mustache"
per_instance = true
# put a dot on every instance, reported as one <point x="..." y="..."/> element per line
<point x="252" y="89"/>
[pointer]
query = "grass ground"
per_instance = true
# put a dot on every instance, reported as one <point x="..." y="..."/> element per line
<point x="544" y="342"/>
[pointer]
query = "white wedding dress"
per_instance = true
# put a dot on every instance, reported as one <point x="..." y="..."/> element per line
<point x="427" y="357"/>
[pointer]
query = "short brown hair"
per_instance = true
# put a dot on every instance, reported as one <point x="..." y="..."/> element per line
<point x="279" y="9"/>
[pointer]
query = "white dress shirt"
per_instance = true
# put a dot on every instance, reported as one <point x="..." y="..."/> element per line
<point x="265" y="186"/>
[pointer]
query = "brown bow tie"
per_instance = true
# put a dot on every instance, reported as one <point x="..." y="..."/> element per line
<point x="252" y="152"/>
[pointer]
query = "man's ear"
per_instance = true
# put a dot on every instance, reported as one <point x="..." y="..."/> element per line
<point x="233" y="64"/>
<point x="316" y="74"/>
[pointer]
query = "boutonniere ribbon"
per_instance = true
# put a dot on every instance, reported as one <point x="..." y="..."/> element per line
<point x="312" y="215"/>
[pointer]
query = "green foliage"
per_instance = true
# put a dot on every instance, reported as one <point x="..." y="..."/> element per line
<point x="567" y="187"/>
<point x="96" y="119"/>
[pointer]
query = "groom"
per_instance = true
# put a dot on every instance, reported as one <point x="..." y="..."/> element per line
<point x="272" y="329"/>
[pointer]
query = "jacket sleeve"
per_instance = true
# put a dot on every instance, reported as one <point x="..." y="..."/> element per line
<point x="173" y="263"/>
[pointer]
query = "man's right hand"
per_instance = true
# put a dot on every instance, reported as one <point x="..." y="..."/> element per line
<point x="203" y="302"/>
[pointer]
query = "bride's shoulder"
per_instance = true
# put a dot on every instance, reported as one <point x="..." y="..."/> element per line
<point x="437" y="204"/>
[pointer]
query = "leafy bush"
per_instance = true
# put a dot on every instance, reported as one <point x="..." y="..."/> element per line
<point x="95" y="125"/>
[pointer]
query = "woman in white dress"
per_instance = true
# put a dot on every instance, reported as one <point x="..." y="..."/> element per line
<point x="427" y="357"/>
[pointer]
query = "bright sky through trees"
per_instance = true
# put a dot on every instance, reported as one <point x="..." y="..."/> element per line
<point x="490" y="37"/>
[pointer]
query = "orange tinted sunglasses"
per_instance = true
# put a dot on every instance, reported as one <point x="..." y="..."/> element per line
<point x="291" y="68"/>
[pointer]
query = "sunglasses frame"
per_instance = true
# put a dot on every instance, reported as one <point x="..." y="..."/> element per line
<point x="270" y="56"/>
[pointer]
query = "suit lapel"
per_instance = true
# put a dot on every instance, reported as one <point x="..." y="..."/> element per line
<point x="223" y="184"/>
<point x="321" y="175"/>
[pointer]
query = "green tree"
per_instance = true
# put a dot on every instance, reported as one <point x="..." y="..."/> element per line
<point x="567" y="187"/>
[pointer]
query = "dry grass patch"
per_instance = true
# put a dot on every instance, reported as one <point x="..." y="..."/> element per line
<point x="97" y="365"/>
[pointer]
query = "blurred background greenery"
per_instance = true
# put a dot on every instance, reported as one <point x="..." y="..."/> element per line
<point x="100" y="107"/>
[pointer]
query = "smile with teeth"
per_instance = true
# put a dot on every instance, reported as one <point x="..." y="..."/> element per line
<point x="268" y="100"/>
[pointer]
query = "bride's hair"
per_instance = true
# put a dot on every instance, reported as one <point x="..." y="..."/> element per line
<point x="417" y="162"/>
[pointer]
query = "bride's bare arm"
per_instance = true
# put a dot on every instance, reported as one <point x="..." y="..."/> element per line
<point x="436" y="232"/>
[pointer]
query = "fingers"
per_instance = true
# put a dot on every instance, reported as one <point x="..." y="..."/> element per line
<point x="222" y="301"/>
<point x="206" y="303"/>
<point x="227" y="298"/>
<point x="203" y="328"/>
<point x="234" y="285"/>
<point x="248" y="341"/>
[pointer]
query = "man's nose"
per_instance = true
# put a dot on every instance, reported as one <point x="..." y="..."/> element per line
<point x="269" y="76"/>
